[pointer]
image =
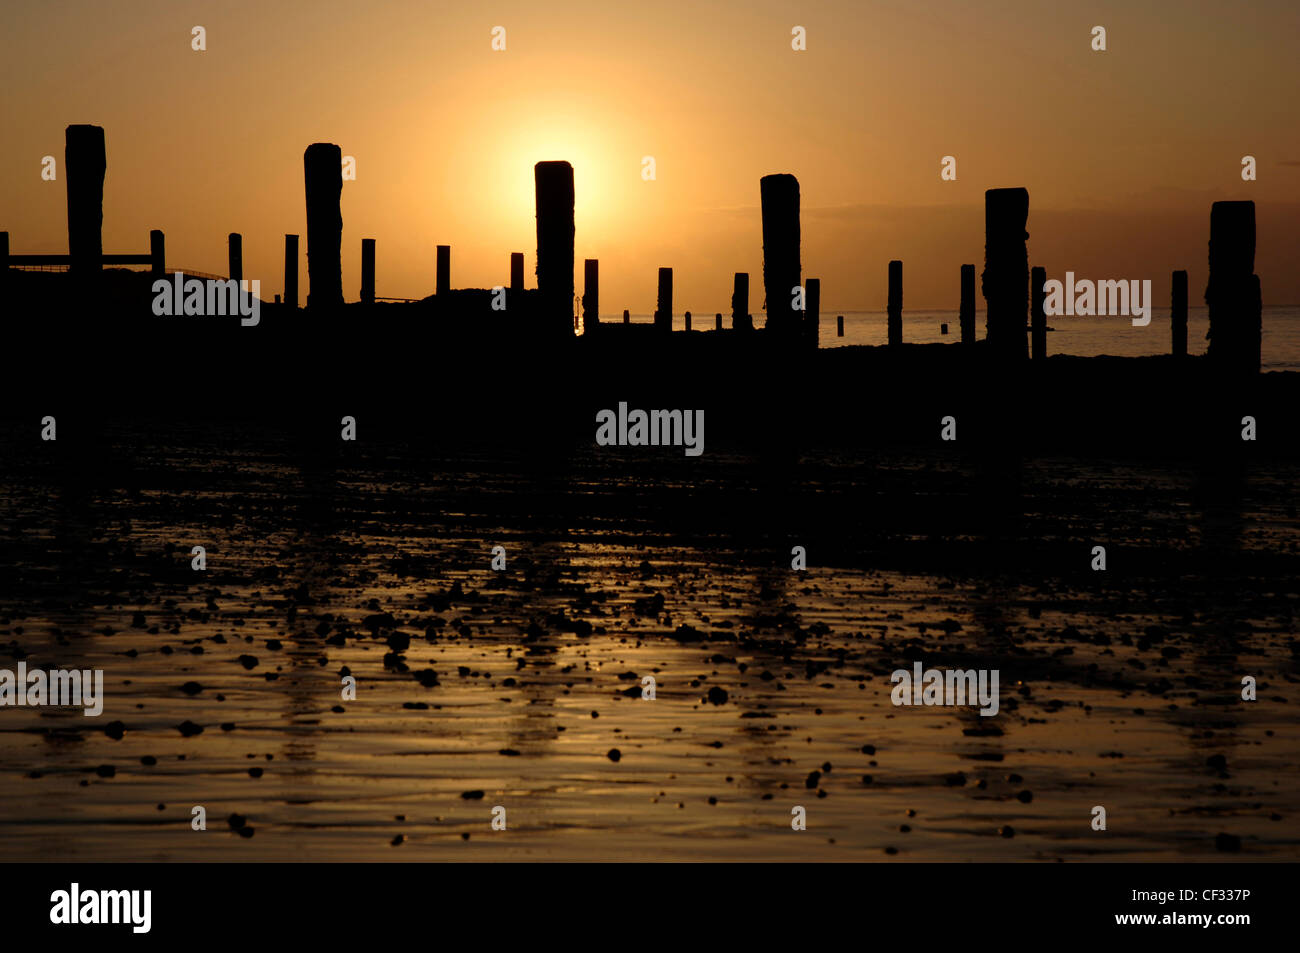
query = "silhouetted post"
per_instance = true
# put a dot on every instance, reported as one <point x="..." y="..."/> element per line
<point x="516" y="272"/>
<point x="291" y="271"/>
<point x="967" y="313"/>
<point x="812" y="318"/>
<point x="664" y="308"/>
<point x="717" y="321"/>
<point x="84" y="163"/>
<point x="894" y="306"/>
<point x="688" y="320"/>
<point x="157" y="253"/>
<point x="444" y="270"/>
<point x="740" y="317"/>
<point x="554" y="190"/>
<point x="1006" y="270"/>
<point x="1178" y="315"/>
<point x="4" y="260"/>
<point x="367" y="271"/>
<point x="236" y="256"/>
<point x="323" y="173"/>
<point x="627" y="317"/>
<point x="839" y="325"/>
<point x="590" y="293"/>
<point x="1233" y="290"/>
<point x="1038" y="316"/>
<point x="781" y="267"/>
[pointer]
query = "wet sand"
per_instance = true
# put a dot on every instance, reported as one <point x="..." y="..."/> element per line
<point x="1119" y="689"/>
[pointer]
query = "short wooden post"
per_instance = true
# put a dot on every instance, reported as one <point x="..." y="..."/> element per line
<point x="291" y="271"/>
<point x="157" y="253"/>
<point x="444" y="270"/>
<point x="839" y="325"/>
<point x="590" y="293"/>
<point x="236" y="256"/>
<point x="688" y="320"/>
<point x="367" y="271"/>
<point x="627" y="317"/>
<point x="966" y="314"/>
<point x="516" y="272"/>
<point x="1038" y="314"/>
<point x="894" y="305"/>
<point x="1178" y="315"/>
<point x="717" y="321"/>
<point x="741" y="320"/>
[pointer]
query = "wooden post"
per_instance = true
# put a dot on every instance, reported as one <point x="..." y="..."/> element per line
<point x="717" y="321"/>
<point x="1178" y="315"/>
<point x="1006" y="271"/>
<point x="444" y="270"/>
<point x="157" y="253"/>
<point x="688" y="320"/>
<point x="1233" y="290"/>
<point x="4" y="262"/>
<point x="516" y="272"/>
<point x="894" y="305"/>
<point x="1038" y="316"/>
<point x="590" y="293"/>
<point x="627" y="317"/>
<point x="367" y="271"/>
<point x="781" y="267"/>
<point x="967" y="313"/>
<point x="84" y="164"/>
<point x="812" y="318"/>
<point x="740" y="316"/>
<point x="323" y="174"/>
<point x="553" y="182"/>
<point x="236" y="256"/>
<point x="839" y="325"/>
<point x="664" y="308"/>
<point x="291" y="271"/>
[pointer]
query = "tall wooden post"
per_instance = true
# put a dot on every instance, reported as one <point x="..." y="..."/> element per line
<point x="444" y="270"/>
<point x="323" y="173"/>
<point x="367" y="271"/>
<point x="664" y="307"/>
<point x="812" y="318"/>
<point x="781" y="267"/>
<point x="1006" y="270"/>
<point x="554" y="194"/>
<point x="590" y="293"/>
<point x="157" y="253"/>
<point x="894" y="305"/>
<point x="291" y="271"/>
<point x="516" y="272"/>
<point x="741" y="320"/>
<point x="236" y="256"/>
<point x="1233" y="291"/>
<point x="1178" y="315"/>
<point x="967" y="313"/>
<point x="1038" y="314"/>
<point x="84" y="164"/>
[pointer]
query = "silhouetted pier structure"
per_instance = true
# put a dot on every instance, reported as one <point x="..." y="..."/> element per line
<point x="664" y="302"/>
<point x="553" y="182"/>
<point x="323" y="177"/>
<point x="1232" y="293"/>
<point x="1005" y="281"/>
<point x="779" y="195"/>
<point x="894" y="305"/>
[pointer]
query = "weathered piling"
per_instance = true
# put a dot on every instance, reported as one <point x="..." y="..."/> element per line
<point x="741" y="320"/>
<point x="812" y="317"/>
<point x="590" y="293"/>
<point x="235" y="256"/>
<point x="1232" y="294"/>
<point x="894" y="306"/>
<point x="688" y="320"/>
<point x="781" y="267"/>
<point x="516" y="272"/>
<point x="367" y="271"/>
<point x="291" y="271"/>
<point x="664" y="307"/>
<point x="84" y="163"/>
<point x="1178" y="315"/>
<point x="967" y="313"/>
<point x="554" y="196"/>
<point x="1038" y="314"/>
<point x="1005" y="281"/>
<point x="839" y="325"/>
<point x="717" y="321"/>
<point x="627" y="316"/>
<point x="443" y="285"/>
<point x="157" y="253"/>
<point x="323" y="173"/>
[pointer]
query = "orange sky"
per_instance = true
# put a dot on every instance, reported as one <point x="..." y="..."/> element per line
<point x="1122" y="151"/>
